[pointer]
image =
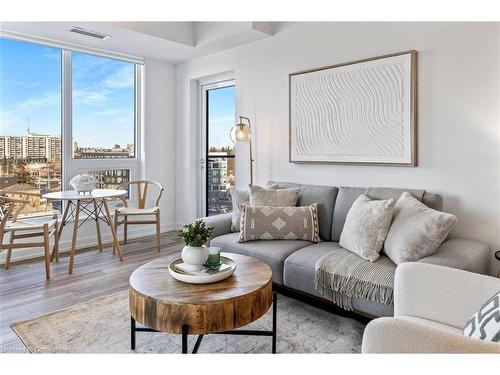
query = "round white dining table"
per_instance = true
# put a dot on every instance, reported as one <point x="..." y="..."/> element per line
<point x="91" y="205"/>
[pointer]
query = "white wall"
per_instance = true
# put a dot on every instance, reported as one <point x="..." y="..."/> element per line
<point x="158" y="159"/>
<point x="458" y="112"/>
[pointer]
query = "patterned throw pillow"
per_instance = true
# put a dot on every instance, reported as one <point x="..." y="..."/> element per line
<point x="243" y="196"/>
<point x="485" y="324"/>
<point x="279" y="223"/>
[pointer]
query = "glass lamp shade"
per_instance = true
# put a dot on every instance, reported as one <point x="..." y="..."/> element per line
<point x="242" y="133"/>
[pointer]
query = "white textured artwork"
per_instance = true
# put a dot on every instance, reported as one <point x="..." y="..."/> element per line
<point x="361" y="112"/>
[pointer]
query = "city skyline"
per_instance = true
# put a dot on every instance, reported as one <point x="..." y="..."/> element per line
<point x="103" y="95"/>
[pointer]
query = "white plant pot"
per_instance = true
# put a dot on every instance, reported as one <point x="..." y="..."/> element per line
<point x="194" y="257"/>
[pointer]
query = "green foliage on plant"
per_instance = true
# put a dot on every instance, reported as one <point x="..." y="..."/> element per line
<point x="195" y="234"/>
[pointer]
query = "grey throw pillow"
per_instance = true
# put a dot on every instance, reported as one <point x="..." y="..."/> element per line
<point x="279" y="223"/>
<point x="274" y="197"/>
<point x="485" y="324"/>
<point x="243" y="196"/>
<point x="366" y="227"/>
<point x="416" y="230"/>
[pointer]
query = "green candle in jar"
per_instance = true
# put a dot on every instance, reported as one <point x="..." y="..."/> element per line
<point x="213" y="256"/>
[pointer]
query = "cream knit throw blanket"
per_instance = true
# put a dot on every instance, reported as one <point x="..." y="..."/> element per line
<point x="341" y="275"/>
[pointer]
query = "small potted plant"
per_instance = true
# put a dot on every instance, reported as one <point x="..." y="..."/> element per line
<point x="195" y="237"/>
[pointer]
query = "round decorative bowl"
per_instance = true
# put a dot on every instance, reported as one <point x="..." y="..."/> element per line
<point x="211" y="276"/>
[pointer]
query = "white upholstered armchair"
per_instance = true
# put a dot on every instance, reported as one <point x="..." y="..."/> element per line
<point x="431" y="307"/>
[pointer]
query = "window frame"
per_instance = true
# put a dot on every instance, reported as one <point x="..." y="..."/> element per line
<point x="206" y="181"/>
<point x="71" y="166"/>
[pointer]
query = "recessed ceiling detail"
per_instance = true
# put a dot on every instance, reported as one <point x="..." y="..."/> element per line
<point x="173" y="42"/>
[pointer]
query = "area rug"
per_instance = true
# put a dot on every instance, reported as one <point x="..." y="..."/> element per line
<point x="102" y="325"/>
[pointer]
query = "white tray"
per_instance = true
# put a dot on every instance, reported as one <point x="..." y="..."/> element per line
<point x="205" y="279"/>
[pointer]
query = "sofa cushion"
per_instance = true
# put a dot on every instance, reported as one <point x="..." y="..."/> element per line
<point x="299" y="272"/>
<point x="434" y="201"/>
<point x="273" y="253"/>
<point x="243" y="196"/>
<point x="345" y="198"/>
<point x="462" y="254"/>
<point x="324" y="196"/>
<point x="274" y="197"/>
<point x="347" y="195"/>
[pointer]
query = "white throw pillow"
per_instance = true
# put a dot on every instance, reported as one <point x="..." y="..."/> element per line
<point x="485" y="324"/>
<point x="366" y="227"/>
<point x="416" y="230"/>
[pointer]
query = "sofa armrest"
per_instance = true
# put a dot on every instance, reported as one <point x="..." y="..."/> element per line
<point x="221" y="224"/>
<point x="442" y="294"/>
<point x="462" y="254"/>
<point x="393" y="335"/>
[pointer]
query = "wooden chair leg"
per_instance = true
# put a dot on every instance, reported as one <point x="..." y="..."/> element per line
<point x="9" y="251"/>
<point x="125" y="230"/>
<point x="46" y="248"/>
<point x="158" y="229"/>
<point x="115" y="225"/>
<point x="55" y="249"/>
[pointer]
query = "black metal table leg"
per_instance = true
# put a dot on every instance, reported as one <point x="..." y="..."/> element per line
<point x="185" y="331"/>
<point x="132" y="333"/>
<point x="275" y="311"/>
<point x="184" y="339"/>
<point x="197" y="344"/>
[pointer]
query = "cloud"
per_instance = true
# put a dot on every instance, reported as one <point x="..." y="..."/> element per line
<point x="51" y="53"/>
<point x="110" y="112"/>
<point x="122" y="78"/>
<point x="24" y="84"/>
<point x="222" y="120"/>
<point x="43" y="100"/>
<point x="91" y="97"/>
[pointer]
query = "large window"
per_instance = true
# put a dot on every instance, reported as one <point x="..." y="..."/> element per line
<point x="220" y="106"/>
<point x="103" y="107"/>
<point x="64" y="113"/>
<point x="30" y="121"/>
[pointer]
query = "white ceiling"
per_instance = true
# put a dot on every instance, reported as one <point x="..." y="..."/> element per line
<point x="170" y="41"/>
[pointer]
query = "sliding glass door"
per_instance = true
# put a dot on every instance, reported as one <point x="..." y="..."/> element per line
<point x="217" y="161"/>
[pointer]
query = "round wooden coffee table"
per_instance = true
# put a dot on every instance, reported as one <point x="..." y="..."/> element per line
<point x="162" y="304"/>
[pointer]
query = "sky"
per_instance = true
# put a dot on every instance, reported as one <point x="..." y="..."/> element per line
<point x="103" y="97"/>
<point x="221" y="116"/>
<point x="30" y="90"/>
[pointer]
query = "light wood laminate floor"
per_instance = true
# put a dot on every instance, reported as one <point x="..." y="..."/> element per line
<point x="24" y="292"/>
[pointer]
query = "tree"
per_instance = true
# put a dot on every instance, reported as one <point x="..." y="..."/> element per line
<point x="5" y="166"/>
<point x="22" y="172"/>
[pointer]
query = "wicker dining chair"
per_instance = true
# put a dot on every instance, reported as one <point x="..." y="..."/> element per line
<point x="43" y="227"/>
<point x="123" y="213"/>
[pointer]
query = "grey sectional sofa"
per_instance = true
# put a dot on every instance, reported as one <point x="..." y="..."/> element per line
<point x="293" y="262"/>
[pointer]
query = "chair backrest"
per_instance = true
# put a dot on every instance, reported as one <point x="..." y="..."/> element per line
<point x="9" y="211"/>
<point x="142" y="191"/>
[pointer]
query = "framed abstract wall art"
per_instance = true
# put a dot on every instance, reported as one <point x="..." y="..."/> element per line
<point x="360" y="112"/>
